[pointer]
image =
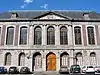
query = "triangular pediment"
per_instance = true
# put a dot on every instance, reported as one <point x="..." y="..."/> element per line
<point x="51" y="16"/>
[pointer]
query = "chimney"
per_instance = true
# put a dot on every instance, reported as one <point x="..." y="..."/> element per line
<point x="14" y="15"/>
<point x="86" y="16"/>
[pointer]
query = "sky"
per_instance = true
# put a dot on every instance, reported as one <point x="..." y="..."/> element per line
<point x="79" y="5"/>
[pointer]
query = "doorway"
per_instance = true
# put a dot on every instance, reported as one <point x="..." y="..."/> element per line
<point x="51" y="62"/>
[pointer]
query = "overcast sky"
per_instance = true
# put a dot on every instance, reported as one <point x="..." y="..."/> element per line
<point x="83" y="5"/>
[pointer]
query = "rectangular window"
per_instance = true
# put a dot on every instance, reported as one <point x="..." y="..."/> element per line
<point x="91" y="39"/>
<point x="23" y="36"/>
<point x="38" y="36"/>
<point x="77" y="32"/>
<point x="10" y="36"/>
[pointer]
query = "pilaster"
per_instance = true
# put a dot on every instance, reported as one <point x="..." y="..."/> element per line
<point x="57" y="35"/>
<point x="31" y="35"/>
<point x="70" y="35"/>
<point x="58" y="63"/>
<point x="44" y="35"/>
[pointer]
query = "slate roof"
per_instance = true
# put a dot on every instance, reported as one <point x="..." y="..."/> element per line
<point x="32" y="14"/>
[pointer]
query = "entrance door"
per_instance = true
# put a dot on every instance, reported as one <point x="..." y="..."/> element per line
<point x="51" y="62"/>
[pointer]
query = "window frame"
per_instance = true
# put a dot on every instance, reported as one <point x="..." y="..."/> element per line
<point x="13" y="34"/>
<point x="20" y="33"/>
<point x="63" y="58"/>
<point x="80" y="35"/>
<point x="5" y="61"/>
<point x="92" y="58"/>
<point x="19" y="59"/>
<point x="63" y="35"/>
<point x="34" y="35"/>
<point x="48" y="42"/>
<point x="7" y="33"/>
<point x="94" y="34"/>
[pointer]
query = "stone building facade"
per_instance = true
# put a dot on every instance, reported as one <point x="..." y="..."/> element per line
<point x="47" y="40"/>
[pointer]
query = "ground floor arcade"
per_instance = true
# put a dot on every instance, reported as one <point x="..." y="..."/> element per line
<point x="49" y="60"/>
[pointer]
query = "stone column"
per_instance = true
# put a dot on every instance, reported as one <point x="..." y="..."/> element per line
<point x="57" y="35"/>
<point x="71" y="62"/>
<point x="31" y="35"/>
<point x="70" y="35"/>
<point x="58" y="63"/>
<point x="44" y="62"/>
<point x="44" y="35"/>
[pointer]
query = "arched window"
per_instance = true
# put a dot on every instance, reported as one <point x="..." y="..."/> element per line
<point x="64" y="59"/>
<point x="92" y="58"/>
<point x="38" y="36"/>
<point x="79" y="58"/>
<point x="63" y="36"/>
<point x="50" y="36"/>
<point x="10" y="36"/>
<point x="77" y="32"/>
<point x="37" y="61"/>
<point x="7" y="59"/>
<point x="91" y="39"/>
<point x="23" y="36"/>
<point x="21" y="59"/>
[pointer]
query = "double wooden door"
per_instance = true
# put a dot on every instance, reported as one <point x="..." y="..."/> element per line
<point x="51" y="62"/>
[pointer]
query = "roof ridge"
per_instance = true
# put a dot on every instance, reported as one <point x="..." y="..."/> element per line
<point x="51" y="10"/>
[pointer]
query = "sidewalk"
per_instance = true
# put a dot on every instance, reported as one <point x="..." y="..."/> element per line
<point x="46" y="73"/>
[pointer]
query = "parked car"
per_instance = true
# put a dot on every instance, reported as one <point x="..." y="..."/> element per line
<point x="75" y="69"/>
<point x="24" y="70"/>
<point x="83" y="69"/>
<point x="97" y="69"/>
<point x="13" y="70"/>
<point x="3" y="70"/>
<point x="90" y="69"/>
<point x="64" y="69"/>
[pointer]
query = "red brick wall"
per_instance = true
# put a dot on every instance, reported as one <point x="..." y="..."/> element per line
<point x="3" y="35"/>
<point x="84" y="35"/>
<point x="97" y="35"/>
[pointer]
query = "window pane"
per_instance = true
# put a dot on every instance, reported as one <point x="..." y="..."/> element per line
<point x="77" y="32"/>
<point x="51" y="36"/>
<point x="22" y="60"/>
<point x="38" y="36"/>
<point x="38" y="62"/>
<point x="64" y="60"/>
<point x="8" y="59"/>
<point x="10" y="36"/>
<point x="91" y="38"/>
<point x="63" y="36"/>
<point x="23" y="35"/>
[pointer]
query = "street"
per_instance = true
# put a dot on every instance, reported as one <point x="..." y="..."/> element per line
<point x="52" y="73"/>
<point x="56" y="73"/>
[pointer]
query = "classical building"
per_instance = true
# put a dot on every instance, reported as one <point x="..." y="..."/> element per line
<point x="47" y="40"/>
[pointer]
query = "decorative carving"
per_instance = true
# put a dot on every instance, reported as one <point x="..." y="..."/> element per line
<point x="69" y="25"/>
